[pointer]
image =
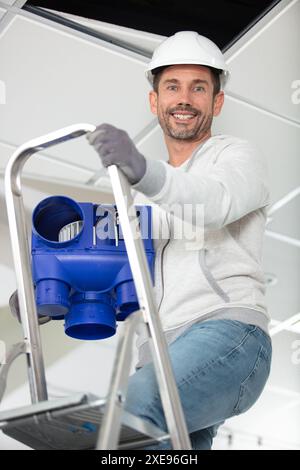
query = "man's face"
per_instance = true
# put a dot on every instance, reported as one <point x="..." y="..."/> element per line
<point x="184" y="104"/>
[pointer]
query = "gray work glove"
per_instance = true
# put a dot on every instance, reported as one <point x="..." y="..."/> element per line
<point x="15" y="309"/>
<point x="115" y="147"/>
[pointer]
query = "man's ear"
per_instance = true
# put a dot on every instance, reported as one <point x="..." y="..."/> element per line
<point x="218" y="103"/>
<point x="153" y="101"/>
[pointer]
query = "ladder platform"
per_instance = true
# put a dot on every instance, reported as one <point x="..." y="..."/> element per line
<point x="72" y="423"/>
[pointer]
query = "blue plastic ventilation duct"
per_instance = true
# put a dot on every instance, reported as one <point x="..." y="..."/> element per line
<point x="80" y="266"/>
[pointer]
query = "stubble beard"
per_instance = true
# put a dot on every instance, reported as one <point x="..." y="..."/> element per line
<point x="200" y="128"/>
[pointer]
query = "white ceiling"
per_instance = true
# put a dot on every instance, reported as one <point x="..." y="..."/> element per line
<point x="55" y="76"/>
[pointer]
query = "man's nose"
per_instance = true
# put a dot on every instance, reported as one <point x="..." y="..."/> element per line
<point x="184" y="98"/>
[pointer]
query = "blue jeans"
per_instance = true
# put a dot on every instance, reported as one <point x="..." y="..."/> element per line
<point x="220" y="367"/>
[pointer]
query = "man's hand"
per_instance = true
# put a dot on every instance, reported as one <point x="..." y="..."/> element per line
<point x="115" y="147"/>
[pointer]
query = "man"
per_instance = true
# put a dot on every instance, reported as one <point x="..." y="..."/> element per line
<point x="211" y="296"/>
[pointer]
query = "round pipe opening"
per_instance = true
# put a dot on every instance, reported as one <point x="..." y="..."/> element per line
<point x="58" y="220"/>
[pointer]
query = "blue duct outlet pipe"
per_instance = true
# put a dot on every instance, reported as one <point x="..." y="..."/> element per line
<point x="80" y="266"/>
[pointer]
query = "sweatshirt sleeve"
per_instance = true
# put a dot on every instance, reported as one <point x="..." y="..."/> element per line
<point x="234" y="186"/>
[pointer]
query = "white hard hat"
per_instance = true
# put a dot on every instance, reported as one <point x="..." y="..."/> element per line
<point x="188" y="47"/>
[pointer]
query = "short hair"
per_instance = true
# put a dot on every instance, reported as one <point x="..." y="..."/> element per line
<point x="215" y="76"/>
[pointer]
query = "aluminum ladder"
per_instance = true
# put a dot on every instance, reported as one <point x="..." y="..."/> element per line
<point x="84" y="421"/>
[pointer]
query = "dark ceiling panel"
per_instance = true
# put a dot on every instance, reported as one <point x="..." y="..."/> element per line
<point x="220" y="20"/>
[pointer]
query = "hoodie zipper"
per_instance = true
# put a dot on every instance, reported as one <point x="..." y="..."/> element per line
<point x="161" y="263"/>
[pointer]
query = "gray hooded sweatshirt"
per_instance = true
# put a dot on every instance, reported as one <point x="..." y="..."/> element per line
<point x="208" y="222"/>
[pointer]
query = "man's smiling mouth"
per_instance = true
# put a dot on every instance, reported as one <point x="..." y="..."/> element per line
<point x="183" y="117"/>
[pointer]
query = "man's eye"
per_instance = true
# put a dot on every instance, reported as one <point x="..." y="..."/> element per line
<point x="199" y="88"/>
<point x="172" y="87"/>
